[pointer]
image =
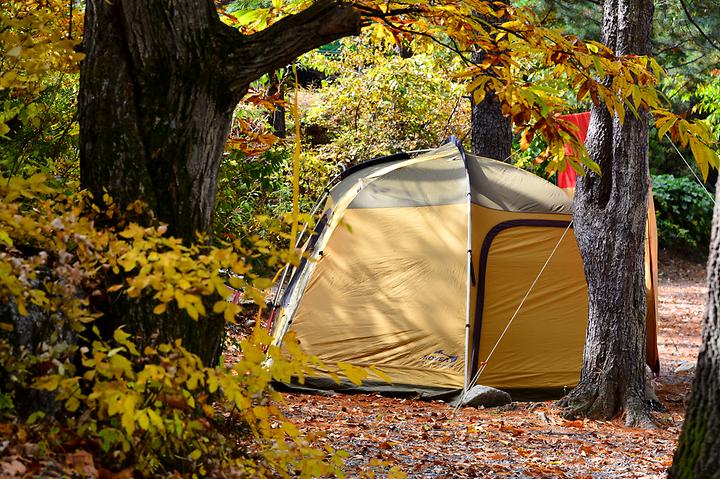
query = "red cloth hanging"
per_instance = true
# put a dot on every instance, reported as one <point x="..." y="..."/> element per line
<point x="566" y="179"/>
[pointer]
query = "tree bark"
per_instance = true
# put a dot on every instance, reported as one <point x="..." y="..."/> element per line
<point x="610" y="213"/>
<point x="157" y="91"/>
<point x="698" y="453"/>
<point x="491" y="131"/>
<point x="277" y="116"/>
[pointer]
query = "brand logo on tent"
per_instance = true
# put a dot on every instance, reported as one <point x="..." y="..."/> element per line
<point x="440" y="357"/>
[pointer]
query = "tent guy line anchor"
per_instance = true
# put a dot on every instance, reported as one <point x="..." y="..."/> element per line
<point x="484" y="364"/>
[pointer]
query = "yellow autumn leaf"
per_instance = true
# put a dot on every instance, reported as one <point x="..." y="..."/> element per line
<point x="141" y="417"/>
<point x="47" y="383"/>
<point x="155" y="419"/>
<point x="220" y="306"/>
<point x="354" y="373"/>
<point x="128" y="413"/>
<point x="379" y="373"/>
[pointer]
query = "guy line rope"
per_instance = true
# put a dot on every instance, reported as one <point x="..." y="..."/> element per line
<point x="484" y="364"/>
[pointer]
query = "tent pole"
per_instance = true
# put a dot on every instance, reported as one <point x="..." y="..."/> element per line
<point x="468" y="289"/>
<point x="466" y="384"/>
<point x="286" y="269"/>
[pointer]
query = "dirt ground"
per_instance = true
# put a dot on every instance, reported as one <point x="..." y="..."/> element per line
<point x="523" y="440"/>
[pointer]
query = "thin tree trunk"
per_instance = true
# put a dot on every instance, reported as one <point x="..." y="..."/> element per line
<point x="698" y="453"/>
<point x="277" y="116"/>
<point x="610" y="212"/>
<point x="157" y="90"/>
<point x="491" y="131"/>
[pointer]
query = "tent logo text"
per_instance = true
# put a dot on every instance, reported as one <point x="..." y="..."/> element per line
<point x="441" y="357"/>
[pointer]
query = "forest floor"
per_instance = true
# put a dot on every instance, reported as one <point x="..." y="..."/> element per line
<point x="522" y="440"/>
<point x="518" y="441"/>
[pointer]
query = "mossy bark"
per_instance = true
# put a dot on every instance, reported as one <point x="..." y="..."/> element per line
<point x="610" y="213"/>
<point x="698" y="453"/>
<point x="158" y="88"/>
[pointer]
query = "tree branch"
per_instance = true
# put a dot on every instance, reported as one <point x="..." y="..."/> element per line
<point x="692" y="20"/>
<point x="254" y="55"/>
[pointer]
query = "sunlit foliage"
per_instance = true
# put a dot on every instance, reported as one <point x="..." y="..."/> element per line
<point x="155" y="408"/>
<point x="38" y="86"/>
<point x="378" y="102"/>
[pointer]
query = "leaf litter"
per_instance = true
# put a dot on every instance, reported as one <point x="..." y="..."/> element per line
<point x="524" y="439"/>
<point x="433" y="440"/>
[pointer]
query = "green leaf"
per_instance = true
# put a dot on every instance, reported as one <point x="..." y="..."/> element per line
<point x="246" y="17"/>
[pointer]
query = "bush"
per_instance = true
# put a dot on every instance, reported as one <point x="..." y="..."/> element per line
<point x="254" y="202"/>
<point x="38" y="89"/>
<point x="132" y="402"/>
<point x="684" y="213"/>
<point x="380" y="103"/>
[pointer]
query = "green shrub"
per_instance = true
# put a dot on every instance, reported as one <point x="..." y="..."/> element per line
<point x="254" y="202"/>
<point x="684" y="213"/>
<point x="380" y="103"/>
<point x="131" y="401"/>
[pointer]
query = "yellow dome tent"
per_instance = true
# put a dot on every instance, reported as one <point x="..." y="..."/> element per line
<point x="443" y="270"/>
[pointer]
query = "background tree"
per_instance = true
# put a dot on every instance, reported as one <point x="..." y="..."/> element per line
<point x="491" y="131"/>
<point x="379" y="103"/>
<point x="610" y="212"/>
<point x="698" y="453"/>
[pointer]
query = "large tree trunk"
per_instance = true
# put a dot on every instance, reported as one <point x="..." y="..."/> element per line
<point x="610" y="213"/>
<point x="157" y="90"/>
<point x="698" y="454"/>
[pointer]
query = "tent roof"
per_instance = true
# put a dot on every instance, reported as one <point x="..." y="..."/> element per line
<point x="436" y="177"/>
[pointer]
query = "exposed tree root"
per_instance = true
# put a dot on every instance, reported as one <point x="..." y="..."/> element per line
<point x="597" y="402"/>
<point x="638" y="412"/>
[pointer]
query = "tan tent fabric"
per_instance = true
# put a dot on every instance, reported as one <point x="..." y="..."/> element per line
<point x="433" y="182"/>
<point x="340" y="198"/>
<point x="543" y="346"/>
<point x="504" y="187"/>
<point x="364" y="304"/>
<point x="485" y="219"/>
<point x="446" y="152"/>
<point x="651" y="286"/>
<point x="386" y="280"/>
